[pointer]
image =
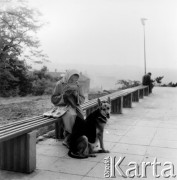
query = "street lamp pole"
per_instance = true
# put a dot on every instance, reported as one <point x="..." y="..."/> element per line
<point x="143" y="23"/>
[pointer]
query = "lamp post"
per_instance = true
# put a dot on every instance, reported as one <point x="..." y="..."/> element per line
<point x="143" y="23"/>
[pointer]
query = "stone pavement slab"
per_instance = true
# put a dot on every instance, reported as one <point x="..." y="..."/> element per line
<point x="142" y="133"/>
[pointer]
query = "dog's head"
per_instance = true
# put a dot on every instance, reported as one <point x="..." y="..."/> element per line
<point x="105" y="107"/>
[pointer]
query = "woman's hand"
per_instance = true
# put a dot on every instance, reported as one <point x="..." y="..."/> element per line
<point x="75" y="93"/>
<point x="65" y="88"/>
<point x="71" y="87"/>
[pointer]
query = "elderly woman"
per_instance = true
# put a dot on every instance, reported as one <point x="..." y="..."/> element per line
<point x="69" y="93"/>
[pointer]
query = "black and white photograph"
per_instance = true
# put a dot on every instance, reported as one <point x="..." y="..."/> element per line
<point x="88" y="89"/>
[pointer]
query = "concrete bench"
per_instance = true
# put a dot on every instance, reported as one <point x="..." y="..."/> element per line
<point x="18" y="139"/>
<point x="119" y="99"/>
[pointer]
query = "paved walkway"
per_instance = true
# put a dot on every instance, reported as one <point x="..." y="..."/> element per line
<point x="140" y="134"/>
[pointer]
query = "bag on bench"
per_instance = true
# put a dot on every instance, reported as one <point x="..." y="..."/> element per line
<point x="56" y="112"/>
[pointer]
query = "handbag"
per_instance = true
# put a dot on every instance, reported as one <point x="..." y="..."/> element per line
<point x="56" y="112"/>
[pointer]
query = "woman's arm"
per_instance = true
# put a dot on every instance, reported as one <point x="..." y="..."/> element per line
<point x="81" y="96"/>
<point x="77" y="91"/>
<point x="57" y="96"/>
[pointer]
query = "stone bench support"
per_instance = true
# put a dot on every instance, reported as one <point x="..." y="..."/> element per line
<point x="127" y="101"/>
<point x="19" y="154"/>
<point x="117" y="105"/>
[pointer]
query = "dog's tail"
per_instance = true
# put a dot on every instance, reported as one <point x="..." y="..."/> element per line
<point x="77" y="156"/>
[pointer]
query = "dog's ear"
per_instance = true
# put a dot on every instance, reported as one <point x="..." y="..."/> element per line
<point x="109" y="100"/>
<point x="99" y="102"/>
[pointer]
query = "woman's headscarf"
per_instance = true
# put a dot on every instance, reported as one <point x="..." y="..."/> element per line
<point x="68" y="75"/>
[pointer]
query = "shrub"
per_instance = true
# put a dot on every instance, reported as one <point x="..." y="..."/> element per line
<point x="38" y="87"/>
<point x="20" y="81"/>
<point x="42" y="82"/>
<point x="128" y="83"/>
<point x="48" y="90"/>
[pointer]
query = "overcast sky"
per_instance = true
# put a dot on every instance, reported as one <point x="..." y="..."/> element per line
<point x="109" y="31"/>
<point x="105" y="37"/>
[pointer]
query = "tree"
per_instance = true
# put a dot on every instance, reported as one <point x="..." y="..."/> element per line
<point x="18" y="26"/>
<point x="127" y="83"/>
<point x="42" y="82"/>
<point x="159" y="79"/>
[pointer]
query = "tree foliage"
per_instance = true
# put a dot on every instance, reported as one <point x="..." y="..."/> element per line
<point x="170" y="84"/>
<point x="18" y="27"/>
<point x="159" y="79"/>
<point x="18" y="42"/>
<point x="43" y="82"/>
<point x="14" y="79"/>
<point x="127" y="83"/>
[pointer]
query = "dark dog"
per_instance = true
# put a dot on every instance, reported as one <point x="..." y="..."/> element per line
<point x="86" y="133"/>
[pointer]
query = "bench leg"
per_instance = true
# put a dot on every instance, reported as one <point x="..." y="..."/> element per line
<point x="117" y="105"/>
<point x="127" y="101"/>
<point x="146" y="91"/>
<point x="59" y="129"/>
<point x="135" y="96"/>
<point x="141" y="93"/>
<point x="19" y="154"/>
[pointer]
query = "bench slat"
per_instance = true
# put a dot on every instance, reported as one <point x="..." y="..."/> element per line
<point x="6" y="126"/>
<point x="26" y="129"/>
<point x="22" y="125"/>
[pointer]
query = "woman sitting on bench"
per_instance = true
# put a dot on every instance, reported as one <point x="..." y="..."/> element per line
<point x="69" y="93"/>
